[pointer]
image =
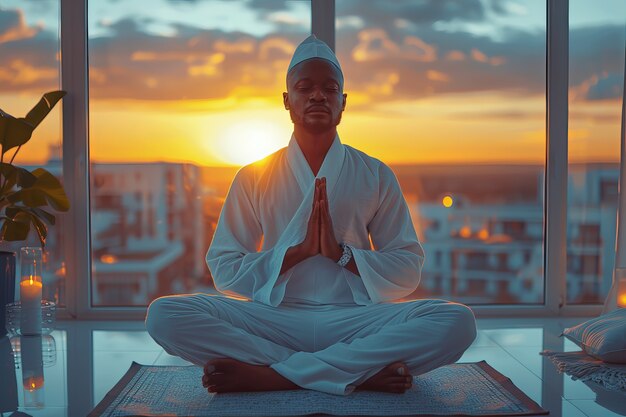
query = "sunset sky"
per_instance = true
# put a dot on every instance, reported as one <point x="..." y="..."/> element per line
<point x="440" y="81"/>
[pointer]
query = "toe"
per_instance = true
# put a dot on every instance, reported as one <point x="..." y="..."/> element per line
<point x="219" y="365"/>
<point x="215" y="379"/>
<point x="397" y="388"/>
<point x="395" y="379"/>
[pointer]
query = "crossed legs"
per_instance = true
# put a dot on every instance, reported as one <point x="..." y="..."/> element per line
<point x="332" y="349"/>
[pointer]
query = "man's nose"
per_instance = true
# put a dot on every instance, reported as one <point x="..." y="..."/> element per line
<point x="318" y="95"/>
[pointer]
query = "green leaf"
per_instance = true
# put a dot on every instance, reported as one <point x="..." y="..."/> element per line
<point x="15" y="132"/>
<point x="45" y="105"/>
<point x="15" y="230"/>
<point x="9" y="172"/>
<point x="25" y="178"/>
<point x="41" y="228"/>
<point x="44" y="215"/>
<point x="12" y="211"/>
<point x="28" y="215"/>
<point x="50" y="185"/>
<point x="31" y="197"/>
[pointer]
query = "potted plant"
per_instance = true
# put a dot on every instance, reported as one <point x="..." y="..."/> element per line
<point x="24" y="195"/>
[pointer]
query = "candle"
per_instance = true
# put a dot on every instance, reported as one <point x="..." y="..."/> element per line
<point x="32" y="370"/>
<point x="30" y="291"/>
<point x="30" y="300"/>
<point x="620" y="278"/>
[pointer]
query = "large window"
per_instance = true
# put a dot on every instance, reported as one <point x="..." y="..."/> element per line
<point x="451" y="95"/>
<point x="597" y="43"/>
<point x="29" y="67"/>
<point x="181" y="95"/>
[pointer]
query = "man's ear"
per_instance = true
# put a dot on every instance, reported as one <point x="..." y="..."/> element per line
<point x="345" y="100"/>
<point x="286" y="100"/>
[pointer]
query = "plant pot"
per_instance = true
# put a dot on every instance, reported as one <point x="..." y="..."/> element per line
<point x="7" y="285"/>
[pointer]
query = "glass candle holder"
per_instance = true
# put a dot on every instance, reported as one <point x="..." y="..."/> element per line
<point x="620" y="281"/>
<point x="14" y="317"/>
<point x="32" y="371"/>
<point x="30" y="290"/>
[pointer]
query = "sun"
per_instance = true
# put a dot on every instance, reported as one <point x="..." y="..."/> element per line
<point x="250" y="140"/>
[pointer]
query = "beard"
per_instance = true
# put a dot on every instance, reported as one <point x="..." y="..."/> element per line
<point x="314" y="127"/>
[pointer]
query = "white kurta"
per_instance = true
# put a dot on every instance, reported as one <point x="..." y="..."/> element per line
<point x="271" y="201"/>
<point x="317" y="324"/>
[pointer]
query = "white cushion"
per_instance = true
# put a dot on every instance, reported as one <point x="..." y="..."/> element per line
<point x="603" y="337"/>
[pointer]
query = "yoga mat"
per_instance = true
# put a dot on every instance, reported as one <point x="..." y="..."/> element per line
<point x="467" y="389"/>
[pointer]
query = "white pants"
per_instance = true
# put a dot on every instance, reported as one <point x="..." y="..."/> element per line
<point x="330" y="348"/>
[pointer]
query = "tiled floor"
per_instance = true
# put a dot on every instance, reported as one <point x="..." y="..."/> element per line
<point x="83" y="360"/>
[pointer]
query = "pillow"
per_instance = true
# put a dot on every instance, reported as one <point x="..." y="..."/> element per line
<point x="603" y="337"/>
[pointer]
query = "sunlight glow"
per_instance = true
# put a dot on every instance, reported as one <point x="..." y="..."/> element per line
<point x="249" y="141"/>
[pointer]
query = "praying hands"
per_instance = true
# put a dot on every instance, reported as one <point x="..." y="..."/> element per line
<point x="320" y="235"/>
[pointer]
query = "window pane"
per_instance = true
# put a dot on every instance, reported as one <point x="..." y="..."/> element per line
<point x="181" y="94"/>
<point x="596" y="79"/>
<point x="451" y="95"/>
<point x="29" y="67"/>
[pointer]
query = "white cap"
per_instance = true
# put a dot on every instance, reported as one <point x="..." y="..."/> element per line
<point x="311" y="48"/>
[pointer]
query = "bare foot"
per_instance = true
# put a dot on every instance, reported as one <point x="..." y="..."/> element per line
<point x="229" y="375"/>
<point x="392" y="378"/>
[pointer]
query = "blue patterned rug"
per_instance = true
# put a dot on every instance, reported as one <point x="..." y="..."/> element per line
<point x="468" y="389"/>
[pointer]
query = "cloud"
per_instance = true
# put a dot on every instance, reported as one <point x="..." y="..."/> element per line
<point x="268" y="5"/>
<point x="393" y="60"/>
<point x="13" y="26"/>
<point x="506" y="7"/>
<point x="385" y="13"/>
<point x="606" y="86"/>
<point x="375" y="45"/>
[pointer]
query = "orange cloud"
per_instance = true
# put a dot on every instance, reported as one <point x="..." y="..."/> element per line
<point x="416" y="49"/>
<point x="383" y="84"/>
<point x="21" y="73"/>
<point x="20" y="30"/>
<point x="241" y="46"/>
<point x="437" y="76"/>
<point x="455" y="56"/>
<point x="364" y="50"/>
<point x="374" y="44"/>
<point x="479" y="56"/>
<point x="280" y="44"/>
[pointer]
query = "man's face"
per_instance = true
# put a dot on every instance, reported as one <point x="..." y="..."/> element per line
<point x="314" y="96"/>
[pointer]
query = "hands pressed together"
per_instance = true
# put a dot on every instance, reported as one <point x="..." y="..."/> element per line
<point x="320" y="236"/>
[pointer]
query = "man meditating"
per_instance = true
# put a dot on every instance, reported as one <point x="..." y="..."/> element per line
<point x="318" y="238"/>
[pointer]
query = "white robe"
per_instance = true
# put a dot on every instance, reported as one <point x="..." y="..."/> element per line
<point x="318" y="325"/>
<point x="271" y="201"/>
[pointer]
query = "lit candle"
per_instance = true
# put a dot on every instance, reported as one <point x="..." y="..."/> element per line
<point x="620" y="278"/>
<point x="32" y="370"/>
<point x="30" y="291"/>
<point x="30" y="300"/>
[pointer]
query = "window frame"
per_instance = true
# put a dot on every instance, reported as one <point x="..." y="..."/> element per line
<point x="76" y="166"/>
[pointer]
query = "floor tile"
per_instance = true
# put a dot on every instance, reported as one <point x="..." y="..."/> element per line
<point x="530" y="358"/>
<point x="592" y="408"/>
<point x="482" y="339"/>
<point x="48" y="411"/>
<point x="516" y="337"/>
<point x="127" y="341"/>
